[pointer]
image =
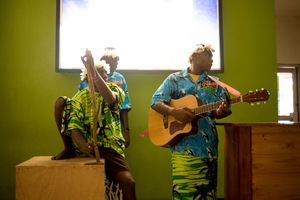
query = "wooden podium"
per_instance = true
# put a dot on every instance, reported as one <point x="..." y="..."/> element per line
<point x="262" y="161"/>
<point x="77" y="178"/>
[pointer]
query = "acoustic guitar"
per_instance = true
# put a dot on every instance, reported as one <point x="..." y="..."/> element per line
<point x="166" y="131"/>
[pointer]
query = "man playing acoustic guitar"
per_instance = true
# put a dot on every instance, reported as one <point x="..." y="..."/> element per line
<point x="194" y="157"/>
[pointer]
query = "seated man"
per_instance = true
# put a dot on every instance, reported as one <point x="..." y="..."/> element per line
<point x="74" y="116"/>
<point x="111" y="57"/>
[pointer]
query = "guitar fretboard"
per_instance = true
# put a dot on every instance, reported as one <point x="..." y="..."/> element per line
<point x="213" y="106"/>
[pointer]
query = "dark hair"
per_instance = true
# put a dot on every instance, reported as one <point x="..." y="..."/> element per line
<point x="105" y="57"/>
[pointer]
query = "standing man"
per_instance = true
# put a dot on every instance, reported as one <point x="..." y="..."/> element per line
<point x="194" y="158"/>
<point x="110" y="56"/>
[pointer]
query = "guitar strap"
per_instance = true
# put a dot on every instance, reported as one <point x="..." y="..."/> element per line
<point x="144" y="133"/>
<point x="230" y="89"/>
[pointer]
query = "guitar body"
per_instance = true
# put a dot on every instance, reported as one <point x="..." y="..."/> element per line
<point x="165" y="130"/>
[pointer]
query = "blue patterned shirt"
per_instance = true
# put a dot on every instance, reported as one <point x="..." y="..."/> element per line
<point x="179" y="84"/>
<point x="120" y="81"/>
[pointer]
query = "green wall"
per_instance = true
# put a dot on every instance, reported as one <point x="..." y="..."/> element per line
<point x="30" y="86"/>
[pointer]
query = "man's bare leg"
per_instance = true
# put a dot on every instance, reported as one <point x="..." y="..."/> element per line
<point x="127" y="184"/>
<point x="68" y="151"/>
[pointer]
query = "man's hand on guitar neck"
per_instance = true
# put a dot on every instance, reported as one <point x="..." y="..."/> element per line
<point x="183" y="114"/>
<point x="223" y="110"/>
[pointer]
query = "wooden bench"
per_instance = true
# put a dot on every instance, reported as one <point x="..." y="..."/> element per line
<point x="76" y="178"/>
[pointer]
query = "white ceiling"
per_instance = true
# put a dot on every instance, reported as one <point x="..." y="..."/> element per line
<point x="287" y="7"/>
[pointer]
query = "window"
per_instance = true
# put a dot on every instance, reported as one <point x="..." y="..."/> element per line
<point x="287" y="94"/>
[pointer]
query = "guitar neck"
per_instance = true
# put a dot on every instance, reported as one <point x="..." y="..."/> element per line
<point x="213" y="106"/>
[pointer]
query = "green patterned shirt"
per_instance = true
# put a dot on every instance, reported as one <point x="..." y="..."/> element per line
<point x="81" y="118"/>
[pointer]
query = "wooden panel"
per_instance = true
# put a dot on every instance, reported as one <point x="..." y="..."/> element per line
<point x="230" y="164"/>
<point x="267" y="155"/>
<point x="238" y="162"/>
<point x="43" y="178"/>
<point x="276" y="162"/>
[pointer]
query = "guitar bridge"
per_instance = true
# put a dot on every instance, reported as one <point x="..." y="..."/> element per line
<point x="165" y="121"/>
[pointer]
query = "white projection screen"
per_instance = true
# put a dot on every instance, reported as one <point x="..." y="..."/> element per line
<point x="150" y="36"/>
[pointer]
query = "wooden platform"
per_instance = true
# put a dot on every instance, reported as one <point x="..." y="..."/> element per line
<point x="77" y="178"/>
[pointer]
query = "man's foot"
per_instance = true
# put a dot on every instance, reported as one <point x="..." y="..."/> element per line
<point x="65" y="154"/>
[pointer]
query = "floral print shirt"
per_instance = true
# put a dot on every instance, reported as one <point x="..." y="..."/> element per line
<point x="179" y="84"/>
<point x="81" y="116"/>
<point x="120" y="81"/>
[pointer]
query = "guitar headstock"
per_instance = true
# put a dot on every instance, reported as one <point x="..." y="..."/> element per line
<point x="257" y="96"/>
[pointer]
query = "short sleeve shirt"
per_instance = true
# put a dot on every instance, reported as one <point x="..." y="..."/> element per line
<point x="179" y="84"/>
<point x="81" y="117"/>
<point x="120" y="81"/>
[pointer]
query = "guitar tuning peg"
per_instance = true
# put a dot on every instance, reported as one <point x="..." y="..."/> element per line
<point x="256" y="90"/>
<point x="265" y="102"/>
<point x="252" y="104"/>
<point x="257" y="103"/>
<point x="250" y="91"/>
